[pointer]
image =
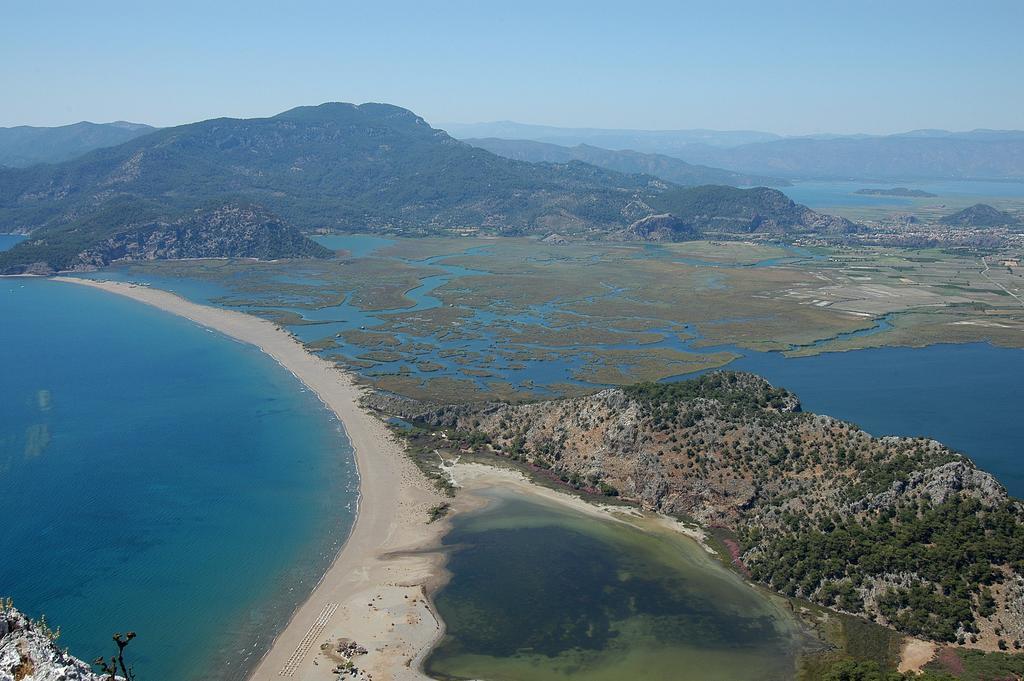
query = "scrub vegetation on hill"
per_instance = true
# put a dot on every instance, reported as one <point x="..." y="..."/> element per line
<point x="126" y="230"/>
<point x="902" y="531"/>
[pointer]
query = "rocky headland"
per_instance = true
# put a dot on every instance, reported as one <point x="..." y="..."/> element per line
<point x="29" y="651"/>
<point x="903" y="531"/>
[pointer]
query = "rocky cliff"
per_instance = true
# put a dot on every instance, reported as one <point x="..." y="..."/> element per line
<point x="903" y="530"/>
<point x="29" y="652"/>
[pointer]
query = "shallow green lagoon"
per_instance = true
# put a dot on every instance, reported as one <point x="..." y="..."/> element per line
<point x="539" y="593"/>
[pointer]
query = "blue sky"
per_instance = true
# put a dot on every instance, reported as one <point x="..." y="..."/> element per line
<point x="784" y="66"/>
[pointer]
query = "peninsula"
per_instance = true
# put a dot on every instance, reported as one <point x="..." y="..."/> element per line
<point x="765" y="481"/>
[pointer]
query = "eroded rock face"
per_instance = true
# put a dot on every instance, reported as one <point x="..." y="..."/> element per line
<point x="938" y="484"/>
<point x="664" y="227"/>
<point x="28" y="652"/>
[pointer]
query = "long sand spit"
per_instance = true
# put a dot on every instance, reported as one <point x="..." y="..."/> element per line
<point x="375" y="593"/>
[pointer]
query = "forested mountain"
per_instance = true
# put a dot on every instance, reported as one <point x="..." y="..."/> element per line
<point x="334" y="166"/>
<point x="126" y="230"/>
<point x="980" y="215"/>
<point x="26" y="145"/>
<point x="372" y="167"/>
<point x="712" y="209"/>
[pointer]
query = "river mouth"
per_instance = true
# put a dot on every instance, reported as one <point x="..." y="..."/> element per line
<point x="542" y="592"/>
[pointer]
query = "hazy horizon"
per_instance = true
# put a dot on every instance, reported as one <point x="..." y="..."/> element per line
<point x="442" y="125"/>
<point x="803" y="68"/>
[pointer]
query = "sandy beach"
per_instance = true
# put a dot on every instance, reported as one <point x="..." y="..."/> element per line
<point x="375" y="592"/>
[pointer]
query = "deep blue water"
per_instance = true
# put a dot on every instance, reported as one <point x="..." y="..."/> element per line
<point x="968" y="397"/>
<point x="159" y="477"/>
<point x="831" y="194"/>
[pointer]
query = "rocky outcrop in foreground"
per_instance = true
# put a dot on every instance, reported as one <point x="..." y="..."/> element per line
<point x="902" y="530"/>
<point x="29" y="652"/>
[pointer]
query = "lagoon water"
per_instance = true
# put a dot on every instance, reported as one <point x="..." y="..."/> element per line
<point x="544" y="593"/>
<point x="966" y="396"/>
<point x="159" y="477"/>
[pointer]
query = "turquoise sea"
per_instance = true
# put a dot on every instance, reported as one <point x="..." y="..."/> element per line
<point x="964" y="395"/>
<point x="161" y="478"/>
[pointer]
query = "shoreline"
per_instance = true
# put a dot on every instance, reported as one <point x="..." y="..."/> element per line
<point x="376" y="590"/>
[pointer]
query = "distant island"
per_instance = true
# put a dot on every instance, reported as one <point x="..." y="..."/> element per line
<point x="897" y="191"/>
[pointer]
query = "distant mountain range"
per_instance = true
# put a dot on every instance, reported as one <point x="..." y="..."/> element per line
<point x="665" y="167"/>
<point x="334" y="166"/>
<point x="26" y="145"/>
<point x="918" y="154"/>
<point x="979" y="155"/>
<point x="371" y="167"/>
<point x="648" y="141"/>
